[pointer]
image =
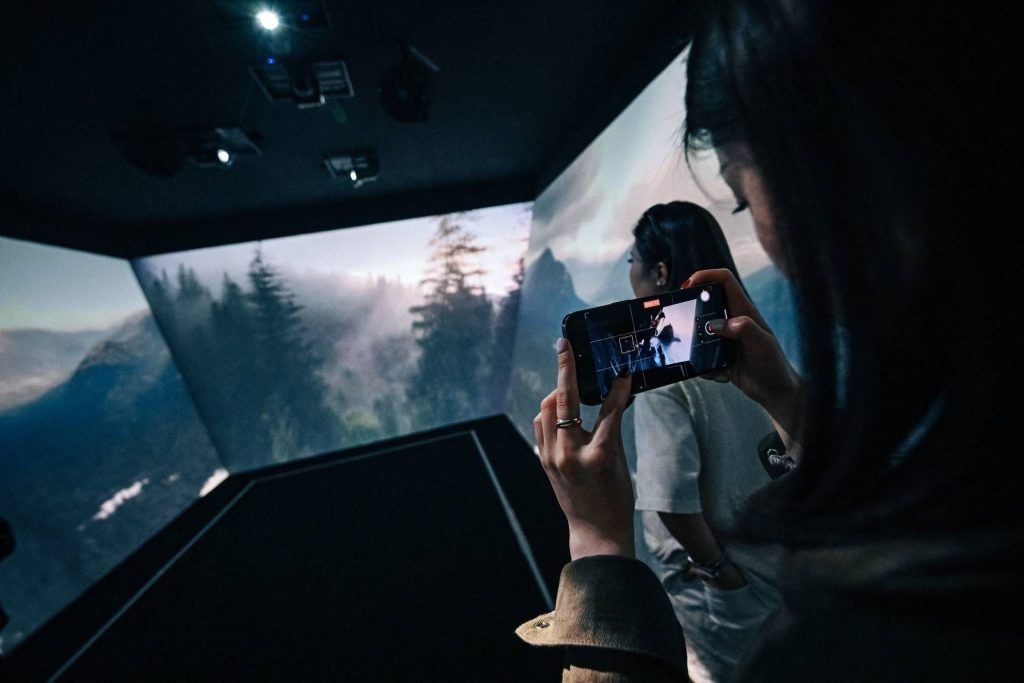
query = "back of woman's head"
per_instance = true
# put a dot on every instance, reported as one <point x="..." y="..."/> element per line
<point x="683" y="236"/>
<point x="874" y="129"/>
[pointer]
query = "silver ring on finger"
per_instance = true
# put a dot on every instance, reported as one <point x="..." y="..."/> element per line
<point x="568" y="423"/>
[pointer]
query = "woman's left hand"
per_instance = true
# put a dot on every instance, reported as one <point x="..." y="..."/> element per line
<point x="730" y="579"/>
<point x="587" y="470"/>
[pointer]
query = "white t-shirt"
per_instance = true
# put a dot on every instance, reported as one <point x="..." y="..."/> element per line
<point x="697" y="451"/>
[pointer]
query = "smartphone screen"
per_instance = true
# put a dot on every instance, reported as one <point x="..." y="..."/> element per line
<point x="659" y="339"/>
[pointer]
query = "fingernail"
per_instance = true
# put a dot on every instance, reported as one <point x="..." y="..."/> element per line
<point x="686" y="283"/>
<point x="560" y="344"/>
<point x="716" y="326"/>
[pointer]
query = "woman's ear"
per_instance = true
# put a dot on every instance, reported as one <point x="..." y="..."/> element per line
<point x="660" y="272"/>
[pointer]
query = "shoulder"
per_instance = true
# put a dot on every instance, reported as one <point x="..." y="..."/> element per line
<point x="724" y="401"/>
<point x="671" y="394"/>
<point x="663" y="401"/>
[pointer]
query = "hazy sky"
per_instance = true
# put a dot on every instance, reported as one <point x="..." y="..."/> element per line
<point x="59" y="289"/>
<point x="587" y="214"/>
<point x="397" y="250"/>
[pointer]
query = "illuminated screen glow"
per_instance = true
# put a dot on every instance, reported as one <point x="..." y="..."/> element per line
<point x="306" y="344"/>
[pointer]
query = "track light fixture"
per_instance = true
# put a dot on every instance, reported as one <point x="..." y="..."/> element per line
<point x="268" y="20"/>
<point x="275" y="15"/>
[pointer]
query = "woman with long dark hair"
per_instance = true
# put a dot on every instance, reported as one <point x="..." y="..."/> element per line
<point x="863" y="138"/>
<point x="695" y="448"/>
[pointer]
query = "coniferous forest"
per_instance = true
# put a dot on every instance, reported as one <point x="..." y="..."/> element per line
<point x="276" y="375"/>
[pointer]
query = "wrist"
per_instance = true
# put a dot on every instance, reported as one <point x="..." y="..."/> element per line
<point x="786" y="399"/>
<point x="786" y="408"/>
<point x="585" y="545"/>
<point x="712" y="571"/>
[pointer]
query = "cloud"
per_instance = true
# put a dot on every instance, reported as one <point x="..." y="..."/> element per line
<point x="110" y="506"/>
<point x="570" y="202"/>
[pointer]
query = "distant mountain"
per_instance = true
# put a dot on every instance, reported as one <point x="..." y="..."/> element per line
<point x="93" y="467"/>
<point x="601" y="283"/>
<point x="33" y="361"/>
<point x="127" y="362"/>
<point x="548" y="295"/>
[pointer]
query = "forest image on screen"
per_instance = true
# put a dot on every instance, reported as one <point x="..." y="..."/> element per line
<point x="306" y="344"/>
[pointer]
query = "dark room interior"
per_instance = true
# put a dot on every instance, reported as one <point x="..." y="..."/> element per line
<point x="507" y="341"/>
<point x="115" y="116"/>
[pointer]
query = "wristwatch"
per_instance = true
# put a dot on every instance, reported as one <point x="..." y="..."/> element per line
<point x="709" y="572"/>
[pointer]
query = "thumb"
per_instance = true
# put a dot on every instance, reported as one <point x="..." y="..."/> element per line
<point x="739" y="328"/>
<point x="614" y="406"/>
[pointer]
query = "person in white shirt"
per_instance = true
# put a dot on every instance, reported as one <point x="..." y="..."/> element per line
<point x="697" y="463"/>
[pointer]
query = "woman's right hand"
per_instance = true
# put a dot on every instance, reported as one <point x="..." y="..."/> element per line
<point x="587" y="469"/>
<point x="760" y="368"/>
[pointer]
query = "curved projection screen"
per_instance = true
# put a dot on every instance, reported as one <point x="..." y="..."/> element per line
<point x="299" y="345"/>
<point x="100" y="445"/>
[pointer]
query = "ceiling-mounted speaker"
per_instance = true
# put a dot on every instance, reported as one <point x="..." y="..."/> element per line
<point x="405" y="87"/>
<point x="156" y="150"/>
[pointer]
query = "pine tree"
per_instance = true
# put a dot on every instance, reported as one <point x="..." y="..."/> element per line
<point x="189" y="287"/>
<point x="161" y="303"/>
<point x="294" y="417"/>
<point x="159" y="294"/>
<point x="453" y="332"/>
<point x="504" y="338"/>
<point x="233" y="381"/>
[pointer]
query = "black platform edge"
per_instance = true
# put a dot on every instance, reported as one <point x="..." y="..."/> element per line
<point x="44" y="653"/>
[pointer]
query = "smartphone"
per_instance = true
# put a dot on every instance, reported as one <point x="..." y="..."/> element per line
<point x="658" y="339"/>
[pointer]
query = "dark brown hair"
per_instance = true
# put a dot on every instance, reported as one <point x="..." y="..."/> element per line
<point x="874" y="128"/>
<point x="685" y="236"/>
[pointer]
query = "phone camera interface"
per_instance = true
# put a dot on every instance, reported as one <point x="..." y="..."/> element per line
<point x="659" y="341"/>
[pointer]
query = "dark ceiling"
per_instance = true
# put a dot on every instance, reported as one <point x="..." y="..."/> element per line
<point x="522" y="88"/>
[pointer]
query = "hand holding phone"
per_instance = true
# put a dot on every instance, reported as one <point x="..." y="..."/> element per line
<point x="758" y="367"/>
<point x="657" y="340"/>
<point x="587" y="469"/>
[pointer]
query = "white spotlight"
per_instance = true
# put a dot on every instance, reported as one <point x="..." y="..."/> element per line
<point x="268" y="19"/>
<point x="224" y="156"/>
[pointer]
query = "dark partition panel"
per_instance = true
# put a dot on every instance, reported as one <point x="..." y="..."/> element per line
<point x="410" y="560"/>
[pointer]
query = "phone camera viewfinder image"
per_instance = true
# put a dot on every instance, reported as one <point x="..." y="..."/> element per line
<point x="660" y="340"/>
